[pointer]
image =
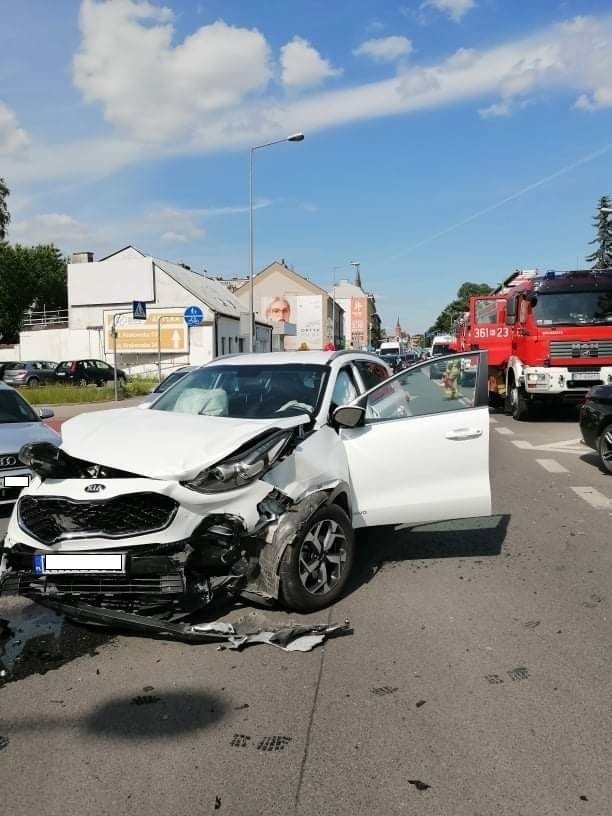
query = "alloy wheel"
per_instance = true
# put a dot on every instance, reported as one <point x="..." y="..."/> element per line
<point x="605" y="448"/>
<point x="322" y="557"/>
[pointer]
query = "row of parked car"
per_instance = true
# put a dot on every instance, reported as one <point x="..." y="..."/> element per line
<point x="33" y="373"/>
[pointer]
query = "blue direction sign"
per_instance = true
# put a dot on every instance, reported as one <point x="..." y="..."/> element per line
<point x="139" y="310"/>
<point x="193" y="315"/>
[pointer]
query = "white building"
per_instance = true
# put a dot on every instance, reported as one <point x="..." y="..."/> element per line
<point x="101" y="295"/>
<point x="302" y="313"/>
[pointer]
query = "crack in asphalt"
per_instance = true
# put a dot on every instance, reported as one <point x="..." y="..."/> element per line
<point x="310" y="722"/>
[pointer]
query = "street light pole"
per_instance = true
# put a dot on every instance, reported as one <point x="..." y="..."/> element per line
<point x="295" y="137"/>
<point x="114" y="331"/>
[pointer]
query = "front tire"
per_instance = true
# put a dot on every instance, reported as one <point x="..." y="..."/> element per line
<point x="316" y="566"/>
<point x="519" y="405"/>
<point x="33" y="382"/>
<point x="604" y="448"/>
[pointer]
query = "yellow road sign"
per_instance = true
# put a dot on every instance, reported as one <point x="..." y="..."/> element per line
<point x="144" y="335"/>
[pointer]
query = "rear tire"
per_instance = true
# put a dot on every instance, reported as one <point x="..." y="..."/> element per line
<point x="33" y="382"/>
<point x="604" y="448"/>
<point x="82" y="381"/>
<point x="316" y="566"/>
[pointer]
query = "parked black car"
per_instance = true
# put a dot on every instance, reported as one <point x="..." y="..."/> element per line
<point x="87" y="372"/>
<point x="596" y="423"/>
<point x="30" y="372"/>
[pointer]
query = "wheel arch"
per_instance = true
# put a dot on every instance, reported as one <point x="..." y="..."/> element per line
<point x="288" y="525"/>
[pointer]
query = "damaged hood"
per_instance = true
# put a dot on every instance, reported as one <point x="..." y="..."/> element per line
<point x="161" y="444"/>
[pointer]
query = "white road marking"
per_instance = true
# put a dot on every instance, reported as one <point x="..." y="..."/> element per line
<point x="575" y="446"/>
<point x="504" y="431"/>
<point x="552" y="466"/>
<point x="492" y="420"/>
<point x="593" y="497"/>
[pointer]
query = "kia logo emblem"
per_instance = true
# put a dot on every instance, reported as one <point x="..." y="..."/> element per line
<point x="95" y="488"/>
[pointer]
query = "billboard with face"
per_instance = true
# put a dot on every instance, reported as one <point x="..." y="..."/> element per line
<point x="303" y="310"/>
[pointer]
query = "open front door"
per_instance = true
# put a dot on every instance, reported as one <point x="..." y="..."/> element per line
<point x="423" y="453"/>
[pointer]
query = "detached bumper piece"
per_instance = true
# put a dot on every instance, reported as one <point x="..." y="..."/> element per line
<point x="290" y="638"/>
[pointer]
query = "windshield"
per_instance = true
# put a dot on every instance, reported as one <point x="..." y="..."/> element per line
<point x="440" y="348"/>
<point x="170" y="380"/>
<point x="14" y="408"/>
<point x="573" y="308"/>
<point x="246" y="391"/>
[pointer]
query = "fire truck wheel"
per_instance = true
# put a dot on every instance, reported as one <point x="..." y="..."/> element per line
<point x="519" y="404"/>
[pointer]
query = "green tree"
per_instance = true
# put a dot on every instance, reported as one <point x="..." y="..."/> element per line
<point x="601" y="258"/>
<point x="458" y="306"/>
<point x="5" y="215"/>
<point x="30" y="277"/>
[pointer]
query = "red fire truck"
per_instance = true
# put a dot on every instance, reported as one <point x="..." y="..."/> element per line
<point x="548" y="336"/>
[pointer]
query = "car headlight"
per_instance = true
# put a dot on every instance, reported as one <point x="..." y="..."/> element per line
<point x="537" y="377"/>
<point x="244" y="466"/>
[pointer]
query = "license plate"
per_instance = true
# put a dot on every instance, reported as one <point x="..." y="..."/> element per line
<point x="103" y="562"/>
<point x="585" y="375"/>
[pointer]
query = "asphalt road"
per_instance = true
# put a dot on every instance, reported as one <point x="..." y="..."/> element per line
<point x="477" y="680"/>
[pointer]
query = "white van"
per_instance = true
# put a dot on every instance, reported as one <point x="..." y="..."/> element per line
<point x="442" y="344"/>
<point x="391" y="347"/>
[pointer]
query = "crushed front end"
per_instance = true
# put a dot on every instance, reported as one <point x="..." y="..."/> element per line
<point x="85" y="535"/>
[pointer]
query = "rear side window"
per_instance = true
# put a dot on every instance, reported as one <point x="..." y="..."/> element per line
<point x="65" y="366"/>
<point x="371" y="373"/>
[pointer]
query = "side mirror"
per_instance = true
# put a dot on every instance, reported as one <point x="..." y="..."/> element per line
<point x="532" y="299"/>
<point x="46" y="413"/>
<point x="511" y="311"/>
<point x="349" y="416"/>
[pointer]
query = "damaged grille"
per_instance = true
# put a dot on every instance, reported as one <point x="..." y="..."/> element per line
<point x="27" y="584"/>
<point x="49" y="519"/>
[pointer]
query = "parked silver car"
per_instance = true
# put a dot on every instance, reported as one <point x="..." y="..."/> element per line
<point x="30" y="372"/>
<point x="19" y="425"/>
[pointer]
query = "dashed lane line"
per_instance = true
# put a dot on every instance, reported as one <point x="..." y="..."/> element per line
<point x="552" y="466"/>
<point x="504" y="431"/>
<point x="593" y="497"/>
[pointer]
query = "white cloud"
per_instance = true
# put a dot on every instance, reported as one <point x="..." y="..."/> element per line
<point x="303" y="66"/>
<point x="600" y="98"/>
<point x="384" y="49"/>
<point x="454" y="8"/>
<point x="571" y="57"/>
<point x="157" y="222"/>
<point x="48" y="228"/>
<point x="154" y="90"/>
<point x="496" y="109"/>
<point x="12" y="137"/>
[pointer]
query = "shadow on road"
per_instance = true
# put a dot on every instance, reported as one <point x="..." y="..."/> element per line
<point x="156" y="714"/>
<point x="465" y="538"/>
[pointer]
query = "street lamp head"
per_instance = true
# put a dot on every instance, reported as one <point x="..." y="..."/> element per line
<point x="355" y="263"/>
<point x="296" y="137"/>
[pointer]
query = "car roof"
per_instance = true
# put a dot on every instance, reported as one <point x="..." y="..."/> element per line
<point x="293" y="357"/>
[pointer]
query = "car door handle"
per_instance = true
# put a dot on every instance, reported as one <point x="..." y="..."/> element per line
<point x="464" y="433"/>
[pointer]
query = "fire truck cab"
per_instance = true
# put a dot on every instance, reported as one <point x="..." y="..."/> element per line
<point x="548" y="337"/>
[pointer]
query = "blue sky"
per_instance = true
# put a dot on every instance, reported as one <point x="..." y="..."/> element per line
<point x="446" y="140"/>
